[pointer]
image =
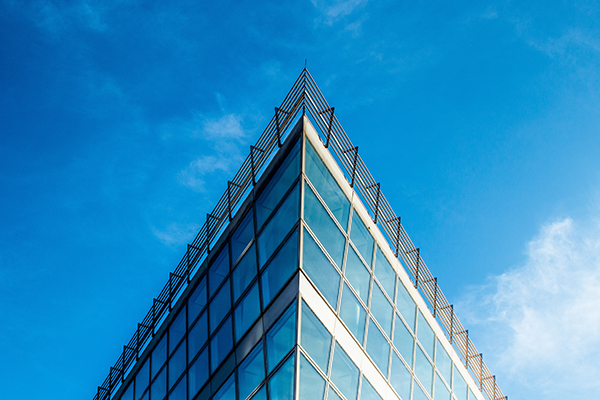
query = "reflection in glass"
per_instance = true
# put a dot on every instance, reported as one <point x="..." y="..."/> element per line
<point x="247" y="311"/>
<point x="180" y="391"/>
<point x="323" y="226"/>
<point x="281" y="384"/>
<point x="378" y="347"/>
<point x="418" y="393"/>
<point x="142" y="379"/>
<point x="220" y="344"/>
<point x="158" y="390"/>
<point x="384" y="273"/>
<point x="441" y="391"/>
<point x="218" y="269"/>
<point x="159" y="355"/>
<point x="261" y="394"/>
<point x="353" y="314"/>
<point x="320" y="270"/>
<point x="315" y="338"/>
<point x="443" y="362"/>
<point x="357" y="274"/>
<point x="332" y="395"/>
<point x="281" y="337"/>
<point x="243" y="274"/>
<point x="404" y="341"/>
<point x="227" y="391"/>
<point x="326" y="186"/>
<point x="400" y="377"/>
<point x="362" y="239"/>
<point x="251" y="371"/>
<point x="278" y="186"/>
<point x="197" y="336"/>
<point x="406" y="305"/>
<point x="344" y="374"/>
<point x="425" y="335"/>
<point x="312" y="384"/>
<point x="368" y="392"/>
<point x="242" y="236"/>
<point x="281" y="223"/>
<point x="281" y="267"/>
<point x="197" y="301"/>
<point x="424" y="370"/>
<point x="459" y="386"/>
<point x="381" y="309"/>
<point x="128" y="394"/>
<point x="177" y="364"/>
<point x="198" y="372"/>
<point x="177" y="329"/>
<point x="219" y="306"/>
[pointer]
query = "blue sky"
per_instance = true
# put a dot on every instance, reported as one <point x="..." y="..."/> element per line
<point x="121" y="122"/>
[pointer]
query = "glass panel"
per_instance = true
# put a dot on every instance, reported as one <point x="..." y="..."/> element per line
<point x="197" y="336"/>
<point x="278" y="186"/>
<point x="424" y="370"/>
<point x="406" y="305"/>
<point x="227" y="391"/>
<point x="471" y="395"/>
<point x="378" y="348"/>
<point x="251" y="371"/>
<point x="353" y="314"/>
<point x="159" y="387"/>
<point x="384" y="273"/>
<point x="221" y="344"/>
<point x="177" y="364"/>
<point x="381" y="309"/>
<point x="197" y="301"/>
<point x="142" y="379"/>
<point x="357" y="274"/>
<point x="261" y="394"/>
<point x="177" y="330"/>
<point x="312" y="384"/>
<point x="459" y="386"/>
<point x="400" y="377"/>
<point x="404" y="341"/>
<point x="247" y="311"/>
<point x="242" y="236"/>
<point x="218" y="270"/>
<point x="281" y="337"/>
<point x="219" y="306"/>
<point x="368" y="392"/>
<point x="281" y="267"/>
<point x="332" y="395"/>
<point x="323" y="226"/>
<point x="180" y="392"/>
<point x="326" y="186"/>
<point x="198" y="372"/>
<point x="425" y="335"/>
<point x="441" y="391"/>
<point x="159" y="355"/>
<point x="418" y="393"/>
<point x="244" y="273"/>
<point x="320" y="270"/>
<point x="315" y="338"/>
<point x="344" y="374"/>
<point x="281" y="385"/>
<point x="443" y="362"/>
<point x="362" y="239"/>
<point x="281" y="223"/>
<point x="128" y="394"/>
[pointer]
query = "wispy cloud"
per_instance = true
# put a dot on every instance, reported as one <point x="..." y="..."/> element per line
<point x="543" y="317"/>
<point x="176" y="234"/>
<point x="334" y="10"/>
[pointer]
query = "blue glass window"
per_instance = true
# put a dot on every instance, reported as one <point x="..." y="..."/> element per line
<point x="323" y="226"/>
<point x="227" y="391"/>
<point x="158" y="390"/>
<point x="244" y="273"/>
<point x="197" y="336"/>
<point x="353" y="314"/>
<point x="459" y="386"/>
<point x="281" y="267"/>
<point x="251" y="371"/>
<point x="326" y="186"/>
<point x="312" y="384"/>
<point x="221" y="344"/>
<point x="218" y="270"/>
<point x="384" y="273"/>
<point x="378" y="348"/>
<point x="443" y="362"/>
<point x="425" y="335"/>
<point x="247" y="311"/>
<point x="320" y="270"/>
<point x="381" y="309"/>
<point x="177" y="329"/>
<point x="142" y="379"/>
<point x="278" y="186"/>
<point x="281" y="337"/>
<point x="315" y="338"/>
<point x="400" y="377"/>
<point x="418" y="393"/>
<point x="180" y="391"/>
<point x="368" y="392"/>
<point x="424" y="370"/>
<point x="357" y="274"/>
<point x="198" y="373"/>
<point x="219" y="306"/>
<point x="362" y="239"/>
<point x="128" y="394"/>
<point x="279" y="226"/>
<point x="261" y="394"/>
<point x="197" y="301"/>
<point x="242" y="236"/>
<point x="406" y="305"/>
<point x="332" y="395"/>
<point x="404" y="341"/>
<point x="441" y="391"/>
<point x="281" y="384"/>
<point x="159" y="355"/>
<point x="344" y="374"/>
<point x="177" y="364"/>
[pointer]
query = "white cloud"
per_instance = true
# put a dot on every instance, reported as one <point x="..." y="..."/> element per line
<point x="333" y="10"/>
<point x="199" y="170"/>
<point x="176" y="234"/>
<point x="543" y="318"/>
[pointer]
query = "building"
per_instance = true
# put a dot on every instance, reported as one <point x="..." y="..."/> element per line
<point x="302" y="284"/>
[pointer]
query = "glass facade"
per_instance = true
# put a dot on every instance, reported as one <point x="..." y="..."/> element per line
<point x="301" y="298"/>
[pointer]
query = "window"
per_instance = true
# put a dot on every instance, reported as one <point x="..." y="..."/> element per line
<point x="362" y="239"/>
<point x="220" y="344"/>
<point x="281" y="267"/>
<point x="242" y="236"/>
<point x="219" y="306"/>
<point x="404" y="341"/>
<point x="425" y="335"/>
<point x="312" y="384"/>
<point x="357" y="274"/>
<point x="384" y="273"/>
<point x="197" y="301"/>
<point x="244" y="273"/>
<point x="315" y="338"/>
<point x="281" y="384"/>
<point x="247" y="311"/>
<point x="353" y="314"/>
<point x="251" y="371"/>
<point x="197" y="336"/>
<point x="378" y="348"/>
<point x="320" y="270"/>
<point x="381" y="309"/>
<point x="406" y="305"/>
<point x="281" y="337"/>
<point x="218" y="269"/>
<point x="344" y="374"/>
<point x="424" y="370"/>
<point x="400" y="377"/>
